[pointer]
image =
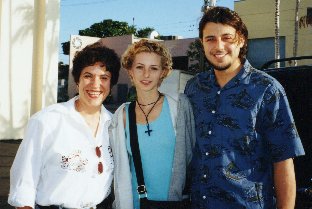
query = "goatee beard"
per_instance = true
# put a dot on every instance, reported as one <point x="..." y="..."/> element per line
<point x="221" y="68"/>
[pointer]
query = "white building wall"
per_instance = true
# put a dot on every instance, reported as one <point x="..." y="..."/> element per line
<point x="28" y="61"/>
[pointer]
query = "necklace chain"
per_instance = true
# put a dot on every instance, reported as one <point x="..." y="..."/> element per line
<point x="148" y="131"/>
<point x="144" y="105"/>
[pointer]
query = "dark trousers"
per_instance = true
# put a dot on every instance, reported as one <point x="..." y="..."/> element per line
<point x="105" y="204"/>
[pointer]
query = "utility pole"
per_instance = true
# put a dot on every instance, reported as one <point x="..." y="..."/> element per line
<point x="277" y="32"/>
<point x="205" y="7"/>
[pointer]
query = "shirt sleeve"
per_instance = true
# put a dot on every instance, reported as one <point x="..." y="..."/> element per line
<point x="25" y="171"/>
<point x="278" y="126"/>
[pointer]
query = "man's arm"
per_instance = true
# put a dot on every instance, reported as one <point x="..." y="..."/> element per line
<point x="285" y="184"/>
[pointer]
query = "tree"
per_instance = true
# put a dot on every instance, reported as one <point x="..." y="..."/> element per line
<point x="62" y="94"/>
<point x="306" y="20"/>
<point x="196" y="54"/>
<point x="109" y="28"/>
<point x="295" y="49"/>
<point x="144" y="32"/>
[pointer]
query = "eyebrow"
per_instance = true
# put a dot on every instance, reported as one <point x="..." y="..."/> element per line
<point x="144" y="64"/>
<point x="105" y="73"/>
<point x="224" y="34"/>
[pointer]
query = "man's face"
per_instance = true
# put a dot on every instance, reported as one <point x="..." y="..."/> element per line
<point x="222" y="46"/>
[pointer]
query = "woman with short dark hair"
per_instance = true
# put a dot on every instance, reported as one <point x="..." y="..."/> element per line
<point x="65" y="159"/>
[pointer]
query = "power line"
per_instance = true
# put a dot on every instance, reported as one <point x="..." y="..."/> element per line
<point x="86" y="3"/>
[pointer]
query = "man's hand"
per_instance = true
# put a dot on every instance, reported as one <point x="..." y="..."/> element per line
<point x="285" y="184"/>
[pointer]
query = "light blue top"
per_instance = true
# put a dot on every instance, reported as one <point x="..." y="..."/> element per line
<point x="157" y="151"/>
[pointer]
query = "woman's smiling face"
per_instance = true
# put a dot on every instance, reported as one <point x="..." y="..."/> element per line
<point x="94" y="85"/>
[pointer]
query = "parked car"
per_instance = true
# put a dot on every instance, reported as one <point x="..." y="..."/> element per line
<point x="297" y="81"/>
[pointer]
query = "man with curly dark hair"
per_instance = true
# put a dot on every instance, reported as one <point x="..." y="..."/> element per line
<point x="245" y="131"/>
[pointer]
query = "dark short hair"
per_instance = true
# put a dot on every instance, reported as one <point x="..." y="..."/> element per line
<point x="92" y="54"/>
<point x="225" y="16"/>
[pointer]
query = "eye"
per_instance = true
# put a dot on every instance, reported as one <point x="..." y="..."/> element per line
<point x="209" y="39"/>
<point x="228" y="38"/>
<point x="139" y="67"/>
<point x="154" y="68"/>
<point x="87" y="76"/>
<point x="105" y="78"/>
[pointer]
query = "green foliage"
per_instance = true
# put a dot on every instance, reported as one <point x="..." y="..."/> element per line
<point x="108" y="28"/>
<point x="65" y="47"/>
<point x="196" y="54"/>
<point x="143" y="32"/>
<point x="63" y="70"/>
<point x="62" y="94"/>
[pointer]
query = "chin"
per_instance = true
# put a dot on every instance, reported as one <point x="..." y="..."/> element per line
<point x="220" y="66"/>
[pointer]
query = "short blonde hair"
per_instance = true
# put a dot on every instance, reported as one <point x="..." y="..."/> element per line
<point x="145" y="45"/>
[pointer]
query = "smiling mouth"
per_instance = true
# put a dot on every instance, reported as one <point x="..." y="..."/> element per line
<point x="219" y="55"/>
<point x="94" y="94"/>
<point x="145" y="82"/>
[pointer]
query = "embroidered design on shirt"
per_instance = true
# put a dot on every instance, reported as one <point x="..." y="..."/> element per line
<point x="74" y="162"/>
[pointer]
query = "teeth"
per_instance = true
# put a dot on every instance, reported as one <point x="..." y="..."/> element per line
<point x="92" y="93"/>
<point x="219" y="55"/>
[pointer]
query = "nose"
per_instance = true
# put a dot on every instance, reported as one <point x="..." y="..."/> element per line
<point x="146" y="73"/>
<point x="96" y="81"/>
<point x="219" y="44"/>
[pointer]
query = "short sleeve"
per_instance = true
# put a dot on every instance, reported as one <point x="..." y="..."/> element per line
<point x="278" y="125"/>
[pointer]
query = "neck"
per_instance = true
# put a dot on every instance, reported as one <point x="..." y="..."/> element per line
<point x="224" y="76"/>
<point x="145" y="98"/>
<point x="86" y="110"/>
<point x="90" y="115"/>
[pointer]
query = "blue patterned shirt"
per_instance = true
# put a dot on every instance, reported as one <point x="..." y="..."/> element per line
<point x="241" y="130"/>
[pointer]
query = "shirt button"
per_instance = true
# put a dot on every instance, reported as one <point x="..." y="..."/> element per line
<point x="213" y="112"/>
<point x="205" y="176"/>
<point x="204" y="197"/>
<point x="218" y="92"/>
<point x="207" y="153"/>
<point x="209" y="132"/>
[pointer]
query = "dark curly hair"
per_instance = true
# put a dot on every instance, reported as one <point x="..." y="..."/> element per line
<point x="225" y="16"/>
<point x="92" y="54"/>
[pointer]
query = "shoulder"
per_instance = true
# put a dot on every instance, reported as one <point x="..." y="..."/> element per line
<point x="52" y="110"/>
<point x="48" y="118"/>
<point x="121" y="108"/>
<point x="270" y="83"/>
<point x="118" y="116"/>
<point x="192" y="81"/>
<point x="200" y="80"/>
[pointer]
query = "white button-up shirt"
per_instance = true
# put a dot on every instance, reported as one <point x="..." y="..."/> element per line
<point x="56" y="163"/>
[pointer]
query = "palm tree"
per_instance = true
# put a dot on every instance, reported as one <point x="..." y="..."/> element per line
<point x="277" y="29"/>
<point x="296" y="31"/>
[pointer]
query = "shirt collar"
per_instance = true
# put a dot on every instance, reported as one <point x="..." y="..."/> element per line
<point x="105" y="114"/>
<point x="208" y="79"/>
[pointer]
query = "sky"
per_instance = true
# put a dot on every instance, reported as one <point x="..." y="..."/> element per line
<point x="167" y="17"/>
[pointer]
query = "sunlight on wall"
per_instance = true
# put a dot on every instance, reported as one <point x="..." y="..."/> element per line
<point x="28" y="61"/>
